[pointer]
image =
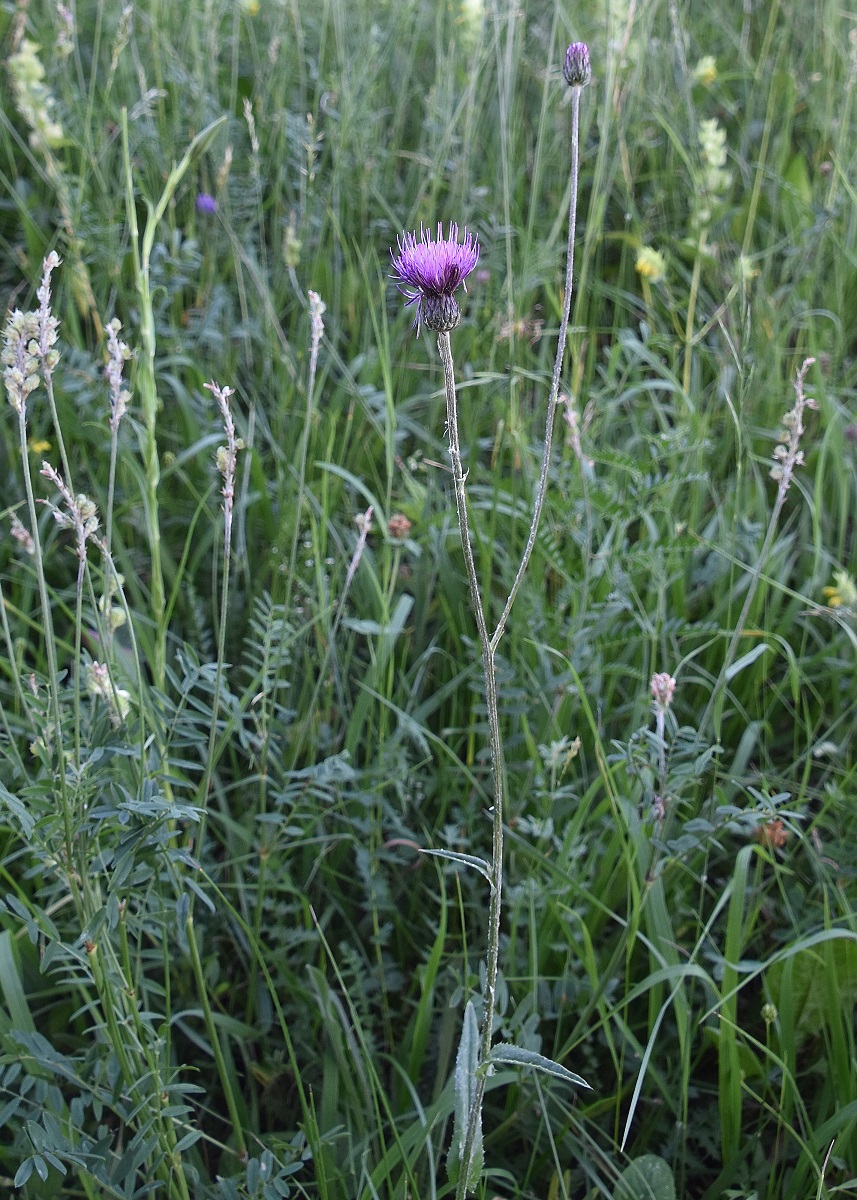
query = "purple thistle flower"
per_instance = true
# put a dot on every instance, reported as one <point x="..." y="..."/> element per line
<point x="428" y="270"/>
<point x="206" y="204"/>
<point x="577" y="69"/>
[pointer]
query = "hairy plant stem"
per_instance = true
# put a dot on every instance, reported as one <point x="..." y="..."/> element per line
<point x="542" y="488"/>
<point x="111" y="487"/>
<point x="53" y="672"/>
<point x="208" y="773"/>
<point x="489" y="672"/>
<point x="489" y="644"/>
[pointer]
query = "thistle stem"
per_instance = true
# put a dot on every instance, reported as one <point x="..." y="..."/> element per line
<point x="542" y="488"/>
<point x="489" y="672"/>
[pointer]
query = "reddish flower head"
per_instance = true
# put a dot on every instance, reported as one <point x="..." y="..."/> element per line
<point x="428" y="270"/>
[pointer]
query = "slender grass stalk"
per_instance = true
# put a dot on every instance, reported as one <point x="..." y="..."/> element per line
<point x="146" y="381"/>
<point x="177" y="1179"/>
<point x="226" y="460"/>
<point x="227" y="457"/>
<point x="148" y="392"/>
<point x="316" y="313"/>
<point x="691" y="314"/>
<point x="53" y="667"/>
<point x="211" y="1028"/>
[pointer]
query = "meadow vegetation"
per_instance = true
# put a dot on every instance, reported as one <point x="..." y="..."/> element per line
<point x="240" y="678"/>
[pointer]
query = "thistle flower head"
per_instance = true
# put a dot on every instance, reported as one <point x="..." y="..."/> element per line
<point x="577" y="69"/>
<point x="428" y="270"/>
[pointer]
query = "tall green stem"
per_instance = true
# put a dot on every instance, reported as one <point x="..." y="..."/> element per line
<point x="490" y="643"/>
<point x="146" y="382"/>
<point x="53" y="669"/>
<point x="489" y="672"/>
<point x="148" y="392"/>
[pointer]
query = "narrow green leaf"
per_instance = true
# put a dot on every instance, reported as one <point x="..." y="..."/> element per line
<point x="13" y="991"/>
<point x="516" y="1056"/>
<point x="466" y="1062"/>
<point x="466" y="860"/>
<point x="746" y="660"/>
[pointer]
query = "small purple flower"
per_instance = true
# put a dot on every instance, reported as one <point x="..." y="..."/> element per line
<point x="206" y="204"/>
<point x="428" y="270"/>
<point x="577" y="69"/>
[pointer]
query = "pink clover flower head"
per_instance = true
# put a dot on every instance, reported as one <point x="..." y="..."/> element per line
<point x="576" y="68"/>
<point x="428" y="270"/>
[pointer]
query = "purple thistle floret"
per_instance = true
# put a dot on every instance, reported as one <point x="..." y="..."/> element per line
<point x="206" y="204"/>
<point x="428" y="270"/>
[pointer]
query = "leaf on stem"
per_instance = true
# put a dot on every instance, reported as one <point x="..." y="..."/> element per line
<point x="466" y="1061"/>
<point x="516" y="1056"/>
<point x="466" y="860"/>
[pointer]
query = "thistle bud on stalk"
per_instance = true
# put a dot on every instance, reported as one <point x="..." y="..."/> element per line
<point x="577" y="69"/>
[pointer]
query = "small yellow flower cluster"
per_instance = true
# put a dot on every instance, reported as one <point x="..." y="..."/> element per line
<point x="651" y="264"/>
<point x="843" y="593"/>
<point x="705" y="71"/>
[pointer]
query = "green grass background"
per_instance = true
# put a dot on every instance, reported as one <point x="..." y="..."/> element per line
<point x="332" y="960"/>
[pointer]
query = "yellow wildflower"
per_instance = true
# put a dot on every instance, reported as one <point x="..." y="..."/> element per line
<point x="843" y="593"/>
<point x="38" y="445"/>
<point x="651" y="264"/>
<point x="705" y="71"/>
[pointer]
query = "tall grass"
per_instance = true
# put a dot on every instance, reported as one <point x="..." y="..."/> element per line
<point x="225" y="969"/>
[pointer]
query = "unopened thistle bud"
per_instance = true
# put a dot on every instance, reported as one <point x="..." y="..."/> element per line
<point x="577" y="69"/>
